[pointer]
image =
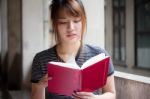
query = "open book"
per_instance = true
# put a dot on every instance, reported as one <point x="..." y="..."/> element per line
<point x="67" y="78"/>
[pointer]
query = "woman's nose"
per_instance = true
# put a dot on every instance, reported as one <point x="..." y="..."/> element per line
<point x="70" y="25"/>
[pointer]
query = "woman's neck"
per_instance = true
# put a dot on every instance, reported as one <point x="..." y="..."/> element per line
<point x="65" y="51"/>
<point x="68" y="48"/>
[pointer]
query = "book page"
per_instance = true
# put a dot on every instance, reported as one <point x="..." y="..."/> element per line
<point x="68" y="65"/>
<point x="71" y="60"/>
<point x="94" y="60"/>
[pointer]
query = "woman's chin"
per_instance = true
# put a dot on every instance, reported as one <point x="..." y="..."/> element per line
<point x="72" y="41"/>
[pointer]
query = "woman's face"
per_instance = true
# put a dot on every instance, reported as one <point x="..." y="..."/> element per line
<point x="69" y="28"/>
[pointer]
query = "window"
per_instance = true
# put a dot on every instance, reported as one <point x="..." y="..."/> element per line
<point x="119" y="32"/>
<point x="142" y="33"/>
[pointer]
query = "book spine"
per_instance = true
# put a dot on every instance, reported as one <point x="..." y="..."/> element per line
<point x="105" y="71"/>
<point x="80" y="80"/>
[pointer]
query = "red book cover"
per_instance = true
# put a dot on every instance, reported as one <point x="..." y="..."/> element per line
<point x="67" y="78"/>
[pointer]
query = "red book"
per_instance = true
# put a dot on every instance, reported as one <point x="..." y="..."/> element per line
<point x="67" y="78"/>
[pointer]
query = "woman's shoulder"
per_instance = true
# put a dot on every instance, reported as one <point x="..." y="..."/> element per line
<point x="94" y="49"/>
<point x="46" y="52"/>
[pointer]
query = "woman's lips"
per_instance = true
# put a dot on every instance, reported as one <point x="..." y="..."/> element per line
<point x="71" y="35"/>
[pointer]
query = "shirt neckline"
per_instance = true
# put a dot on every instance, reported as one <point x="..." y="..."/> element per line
<point x="77" y="55"/>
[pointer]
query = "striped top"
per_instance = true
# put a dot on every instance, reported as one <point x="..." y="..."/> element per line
<point x="39" y="65"/>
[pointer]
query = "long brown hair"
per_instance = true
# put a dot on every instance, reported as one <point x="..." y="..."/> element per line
<point x="74" y="7"/>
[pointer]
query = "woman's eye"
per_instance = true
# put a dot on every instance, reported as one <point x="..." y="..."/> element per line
<point x="76" y="21"/>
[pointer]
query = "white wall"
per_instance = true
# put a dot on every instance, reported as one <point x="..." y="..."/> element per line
<point x="130" y="40"/>
<point x="32" y="37"/>
<point x="47" y="36"/>
<point x="95" y="22"/>
<point x="109" y="27"/>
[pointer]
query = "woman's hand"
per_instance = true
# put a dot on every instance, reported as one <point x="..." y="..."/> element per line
<point x="84" y="95"/>
<point x="44" y="81"/>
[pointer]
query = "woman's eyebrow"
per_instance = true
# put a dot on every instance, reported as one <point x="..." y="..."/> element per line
<point x="61" y="18"/>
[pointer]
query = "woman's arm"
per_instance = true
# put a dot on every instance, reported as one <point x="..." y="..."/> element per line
<point x="38" y="89"/>
<point x="108" y="90"/>
<point x="38" y="92"/>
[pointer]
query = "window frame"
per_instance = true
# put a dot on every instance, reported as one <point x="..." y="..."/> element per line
<point x="119" y="9"/>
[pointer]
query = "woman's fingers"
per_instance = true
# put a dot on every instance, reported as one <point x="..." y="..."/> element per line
<point x="83" y="95"/>
<point x="75" y="96"/>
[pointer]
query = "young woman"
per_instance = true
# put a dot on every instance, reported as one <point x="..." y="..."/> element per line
<point x="69" y="24"/>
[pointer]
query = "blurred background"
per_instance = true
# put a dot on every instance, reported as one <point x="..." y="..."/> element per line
<point x="122" y="27"/>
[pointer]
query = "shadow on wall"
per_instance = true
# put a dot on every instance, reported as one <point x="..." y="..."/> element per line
<point x="11" y="78"/>
<point x="27" y="82"/>
<point x="0" y="72"/>
<point x="3" y="78"/>
<point x="15" y="73"/>
<point x="0" y="68"/>
<point x="6" y="94"/>
<point x="4" y="68"/>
